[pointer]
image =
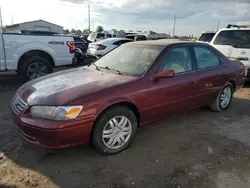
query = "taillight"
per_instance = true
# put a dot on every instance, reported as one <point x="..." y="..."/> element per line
<point x="72" y="47"/>
<point x="100" y="47"/>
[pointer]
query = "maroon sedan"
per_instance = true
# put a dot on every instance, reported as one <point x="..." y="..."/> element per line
<point x="135" y="84"/>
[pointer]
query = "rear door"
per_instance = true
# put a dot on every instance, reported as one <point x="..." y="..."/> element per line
<point x="211" y="73"/>
<point x="234" y="43"/>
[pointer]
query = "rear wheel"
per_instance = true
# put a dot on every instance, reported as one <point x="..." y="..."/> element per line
<point x="224" y="99"/>
<point x="114" y="130"/>
<point x="35" y="67"/>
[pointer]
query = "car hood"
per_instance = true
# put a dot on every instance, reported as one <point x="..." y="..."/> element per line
<point x="67" y="86"/>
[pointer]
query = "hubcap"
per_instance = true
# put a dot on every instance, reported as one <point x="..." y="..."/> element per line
<point x="116" y="132"/>
<point x="225" y="97"/>
<point x="36" y="70"/>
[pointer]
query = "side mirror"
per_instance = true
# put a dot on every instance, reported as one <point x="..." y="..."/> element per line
<point x="164" y="74"/>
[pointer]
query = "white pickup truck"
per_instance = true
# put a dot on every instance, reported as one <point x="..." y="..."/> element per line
<point x="32" y="55"/>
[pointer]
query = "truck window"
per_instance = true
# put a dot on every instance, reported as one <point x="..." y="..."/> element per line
<point x="100" y="35"/>
<point x="235" y="38"/>
<point x="206" y="37"/>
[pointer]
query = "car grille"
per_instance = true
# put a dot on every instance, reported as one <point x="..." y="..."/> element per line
<point x="18" y="103"/>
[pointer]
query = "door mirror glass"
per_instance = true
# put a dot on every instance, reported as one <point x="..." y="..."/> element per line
<point x="164" y="73"/>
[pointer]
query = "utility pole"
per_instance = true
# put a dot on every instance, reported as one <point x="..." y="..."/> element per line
<point x="174" y="25"/>
<point x="1" y="20"/>
<point x="218" y="24"/>
<point x="93" y="25"/>
<point x="89" y="14"/>
<point x="12" y="19"/>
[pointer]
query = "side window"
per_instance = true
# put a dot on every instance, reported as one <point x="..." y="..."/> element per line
<point x="235" y="38"/>
<point x="205" y="57"/>
<point x="178" y="59"/>
<point x="109" y="35"/>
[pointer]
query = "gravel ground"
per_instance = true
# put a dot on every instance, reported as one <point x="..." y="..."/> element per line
<point x="197" y="149"/>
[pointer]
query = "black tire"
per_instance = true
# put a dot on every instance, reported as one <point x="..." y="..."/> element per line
<point x="96" y="137"/>
<point x="23" y="68"/>
<point x="216" y="106"/>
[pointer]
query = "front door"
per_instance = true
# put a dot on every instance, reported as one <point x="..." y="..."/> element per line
<point x="170" y="95"/>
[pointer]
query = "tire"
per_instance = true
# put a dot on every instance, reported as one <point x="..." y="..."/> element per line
<point x="100" y="143"/>
<point x="34" y="61"/>
<point x="217" y="106"/>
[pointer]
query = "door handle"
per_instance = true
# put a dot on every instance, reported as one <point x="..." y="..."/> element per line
<point x="194" y="82"/>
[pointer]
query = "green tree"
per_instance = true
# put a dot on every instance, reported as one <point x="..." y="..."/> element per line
<point x="86" y="31"/>
<point x="66" y="31"/>
<point x="79" y="32"/>
<point x="99" y="29"/>
<point x="73" y="31"/>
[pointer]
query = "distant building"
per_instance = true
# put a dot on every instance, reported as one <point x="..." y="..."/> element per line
<point x="155" y="35"/>
<point x="35" y="25"/>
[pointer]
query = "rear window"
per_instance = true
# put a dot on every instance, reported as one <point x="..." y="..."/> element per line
<point x="206" y="37"/>
<point x="235" y="38"/>
<point x="100" y="35"/>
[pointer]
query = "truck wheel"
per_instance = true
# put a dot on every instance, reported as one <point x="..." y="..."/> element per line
<point x="35" y="67"/>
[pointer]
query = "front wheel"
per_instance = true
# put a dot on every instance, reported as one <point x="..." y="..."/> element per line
<point x="114" y="130"/>
<point x="224" y="99"/>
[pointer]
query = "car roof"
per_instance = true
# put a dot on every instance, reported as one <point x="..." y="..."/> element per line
<point x="233" y="29"/>
<point x="161" y="42"/>
<point x="113" y="39"/>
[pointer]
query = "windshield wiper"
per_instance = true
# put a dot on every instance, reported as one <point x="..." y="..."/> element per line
<point x="117" y="71"/>
<point x="97" y="68"/>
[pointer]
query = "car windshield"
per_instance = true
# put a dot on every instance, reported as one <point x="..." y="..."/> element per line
<point x="131" y="60"/>
<point x="206" y="37"/>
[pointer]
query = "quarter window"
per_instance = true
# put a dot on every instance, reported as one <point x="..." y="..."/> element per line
<point x="178" y="59"/>
<point x="205" y="57"/>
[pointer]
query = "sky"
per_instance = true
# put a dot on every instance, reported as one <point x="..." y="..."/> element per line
<point x="192" y="16"/>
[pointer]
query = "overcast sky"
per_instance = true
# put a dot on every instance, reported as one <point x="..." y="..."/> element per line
<point x="192" y="16"/>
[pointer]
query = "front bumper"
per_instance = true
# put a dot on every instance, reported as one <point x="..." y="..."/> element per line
<point x="51" y="138"/>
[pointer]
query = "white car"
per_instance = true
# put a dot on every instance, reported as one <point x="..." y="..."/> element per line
<point x="102" y="47"/>
<point x="234" y="42"/>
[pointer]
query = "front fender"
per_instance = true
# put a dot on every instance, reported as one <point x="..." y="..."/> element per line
<point x="114" y="101"/>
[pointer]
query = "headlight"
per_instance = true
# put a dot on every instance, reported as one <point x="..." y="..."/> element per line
<point x="56" y="112"/>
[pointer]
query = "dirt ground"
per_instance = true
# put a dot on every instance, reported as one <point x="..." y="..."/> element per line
<point x="197" y="149"/>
